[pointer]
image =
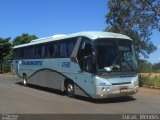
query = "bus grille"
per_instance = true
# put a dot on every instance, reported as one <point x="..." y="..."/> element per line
<point x="121" y="83"/>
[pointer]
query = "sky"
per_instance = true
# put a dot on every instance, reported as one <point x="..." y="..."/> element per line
<point x="49" y="17"/>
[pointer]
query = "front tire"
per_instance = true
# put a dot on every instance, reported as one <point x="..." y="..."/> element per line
<point x="70" y="89"/>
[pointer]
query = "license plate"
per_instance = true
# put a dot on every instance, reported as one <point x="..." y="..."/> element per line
<point x="123" y="90"/>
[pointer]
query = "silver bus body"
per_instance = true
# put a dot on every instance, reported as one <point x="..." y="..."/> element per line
<point x="97" y="82"/>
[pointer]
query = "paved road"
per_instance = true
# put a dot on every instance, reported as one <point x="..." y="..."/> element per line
<point x="15" y="98"/>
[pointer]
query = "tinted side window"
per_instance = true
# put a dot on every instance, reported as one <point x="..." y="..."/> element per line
<point x="30" y="52"/>
<point x="52" y="50"/>
<point x="27" y="53"/>
<point x="38" y="51"/>
<point x="71" y="45"/>
<point x="22" y="50"/>
<point x="16" y="54"/>
<point x="56" y="50"/>
<point x="63" y="50"/>
<point x="66" y="47"/>
<point x="43" y="55"/>
<point x="49" y="50"/>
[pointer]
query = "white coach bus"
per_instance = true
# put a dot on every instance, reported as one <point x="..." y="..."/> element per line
<point x="95" y="64"/>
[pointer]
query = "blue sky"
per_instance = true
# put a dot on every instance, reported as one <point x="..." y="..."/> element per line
<point x="48" y="17"/>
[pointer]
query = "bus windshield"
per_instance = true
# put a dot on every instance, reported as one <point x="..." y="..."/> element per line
<point x="115" y="55"/>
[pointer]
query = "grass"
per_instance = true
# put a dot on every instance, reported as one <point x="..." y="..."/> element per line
<point x="150" y="80"/>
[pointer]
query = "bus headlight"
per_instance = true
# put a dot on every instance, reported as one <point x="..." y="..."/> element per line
<point x="104" y="89"/>
<point x="136" y="85"/>
<point x="108" y="89"/>
<point x="135" y="80"/>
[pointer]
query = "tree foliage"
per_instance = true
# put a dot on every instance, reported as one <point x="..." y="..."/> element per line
<point x="144" y="66"/>
<point x="136" y="19"/>
<point x="156" y="66"/>
<point x="24" y="38"/>
<point x="5" y="50"/>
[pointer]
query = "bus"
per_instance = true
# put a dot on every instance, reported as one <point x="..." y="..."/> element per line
<point x="92" y="64"/>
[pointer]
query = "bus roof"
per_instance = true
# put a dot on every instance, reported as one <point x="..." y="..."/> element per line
<point x="93" y="35"/>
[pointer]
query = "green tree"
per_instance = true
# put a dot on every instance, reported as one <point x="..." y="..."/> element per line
<point x="156" y="66"/>
<point x="24" y="38"/>
<point x="136" y="19"/>
<point x="5" y="51"/>
<point x="144" y="66"/>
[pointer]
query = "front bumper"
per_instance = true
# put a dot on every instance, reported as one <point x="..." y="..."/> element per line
<point x="115" y="91"/>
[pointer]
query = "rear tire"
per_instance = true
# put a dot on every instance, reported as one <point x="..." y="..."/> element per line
<point x="70" y="89"/>
<point x="24" y="80"/>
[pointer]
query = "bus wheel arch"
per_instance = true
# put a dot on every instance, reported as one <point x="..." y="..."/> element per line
<point x="69" y="87"/>
<point x="24" y="79"/>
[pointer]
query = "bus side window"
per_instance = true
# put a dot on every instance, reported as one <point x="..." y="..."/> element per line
<point x="71" y="45"/>
<point x="43" y="51"/>
<point x="47" y="50"/>
<point x="55" y="50"/>
<point x="63" y="50"/>
<point x="22" y="53"/>
<point x="16" y="53"/>
<point x="38" y="51"/>
<point x="66" y="47"/>
<point x="29" y="52"/>
<point x="52" y="50"/>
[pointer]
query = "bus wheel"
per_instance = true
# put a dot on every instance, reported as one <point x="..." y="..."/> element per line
<point x="70" y="89"/>
<point x="24" y="80"/>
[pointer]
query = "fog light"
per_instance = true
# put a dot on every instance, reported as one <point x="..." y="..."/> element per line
<point x="108" y="89"/>
<point x="103" y="89"/>
<point x="101" y="95"/>
<point x="136" y="85"/>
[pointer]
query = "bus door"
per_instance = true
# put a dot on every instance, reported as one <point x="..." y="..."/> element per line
<point x="84" y="57"/>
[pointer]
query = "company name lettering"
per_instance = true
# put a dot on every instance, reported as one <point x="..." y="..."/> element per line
<point x="36" y="63"/>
